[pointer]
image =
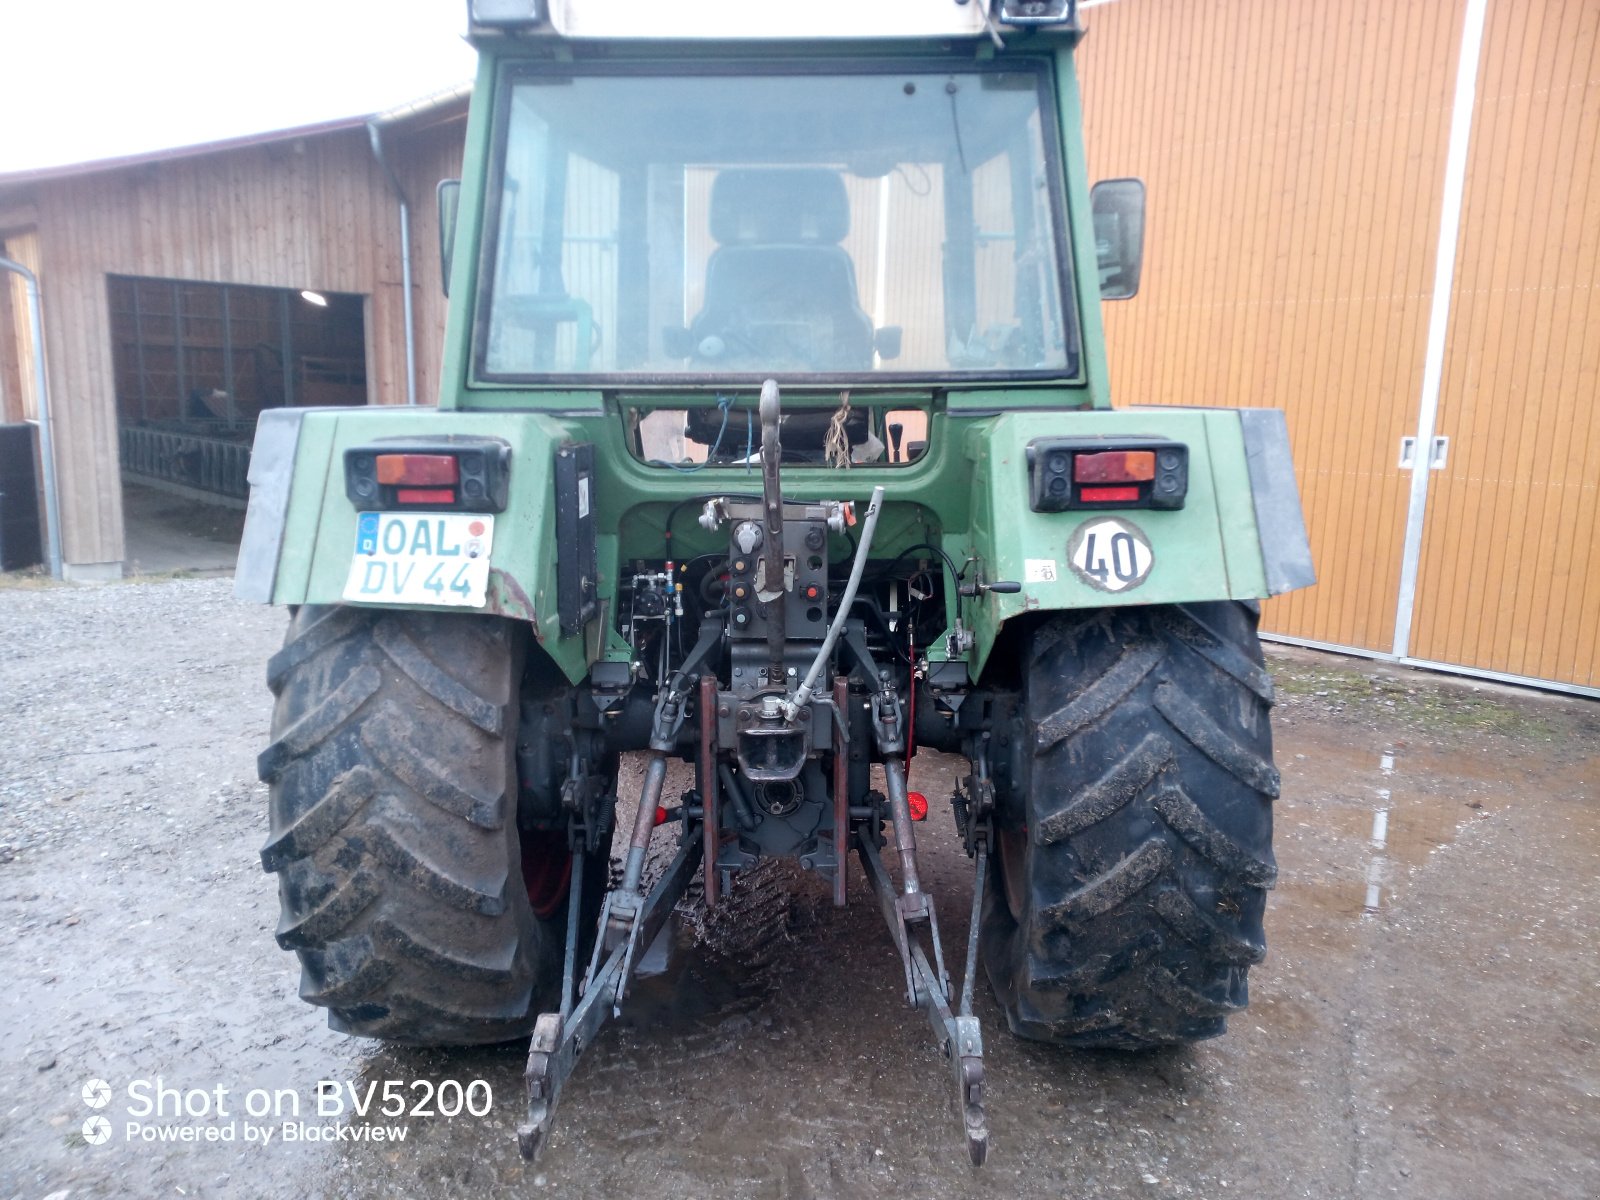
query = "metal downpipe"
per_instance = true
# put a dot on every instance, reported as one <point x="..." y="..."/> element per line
<point x="376" y="137"/>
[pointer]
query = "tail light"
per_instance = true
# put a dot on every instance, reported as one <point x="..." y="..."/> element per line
<point x="461" y="475"/>
<point x="1090" y="473"/>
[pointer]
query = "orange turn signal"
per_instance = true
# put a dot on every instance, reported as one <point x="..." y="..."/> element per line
<point x="1114" y="466"/>
<point x="417" y="470"/>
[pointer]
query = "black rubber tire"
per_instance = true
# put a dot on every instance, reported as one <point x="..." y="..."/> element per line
<point x="1137" y="840"/>
<point x="393" y="826"/>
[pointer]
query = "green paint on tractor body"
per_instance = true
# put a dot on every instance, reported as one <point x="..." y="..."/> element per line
<point x="968" y="495"/>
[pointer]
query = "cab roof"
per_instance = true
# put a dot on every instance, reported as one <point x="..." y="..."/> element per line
<point x="767" y="20"/>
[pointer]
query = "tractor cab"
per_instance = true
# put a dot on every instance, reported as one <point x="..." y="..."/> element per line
<point x="892" y="219"/>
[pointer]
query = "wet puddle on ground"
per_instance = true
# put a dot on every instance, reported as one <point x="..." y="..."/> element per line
<point x="1359" y="816"/>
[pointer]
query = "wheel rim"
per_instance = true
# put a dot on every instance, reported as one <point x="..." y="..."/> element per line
<point x="1013" y="846"/>
<point x="546" y="871"/>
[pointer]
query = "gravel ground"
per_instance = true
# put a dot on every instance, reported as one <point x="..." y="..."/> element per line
<point x="1426" y="1025"/>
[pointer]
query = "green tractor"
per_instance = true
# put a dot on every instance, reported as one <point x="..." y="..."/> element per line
<point x="774" y="437"/>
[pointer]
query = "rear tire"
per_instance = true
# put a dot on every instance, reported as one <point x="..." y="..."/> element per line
<point x="1134" y="853"/>
<point x="394" y="826"/>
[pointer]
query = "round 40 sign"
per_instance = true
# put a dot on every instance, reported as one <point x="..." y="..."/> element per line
<point x="1110" y="554"/>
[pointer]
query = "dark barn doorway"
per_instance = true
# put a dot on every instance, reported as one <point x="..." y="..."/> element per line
<point x="194" y="365"/>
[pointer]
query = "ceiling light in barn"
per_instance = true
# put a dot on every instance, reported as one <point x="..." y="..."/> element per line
<point x="316" y="298"/>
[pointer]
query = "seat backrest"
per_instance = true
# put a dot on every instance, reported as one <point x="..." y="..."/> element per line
<point x="780" y="290"/>
<point x="778" y="205"/>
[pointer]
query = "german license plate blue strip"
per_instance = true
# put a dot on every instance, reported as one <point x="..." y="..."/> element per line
<point x="421" y="559"/>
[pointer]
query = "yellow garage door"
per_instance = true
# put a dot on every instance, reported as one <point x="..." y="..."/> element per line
<point x="1293" y="154"/>
<point x="1509" y="578"/>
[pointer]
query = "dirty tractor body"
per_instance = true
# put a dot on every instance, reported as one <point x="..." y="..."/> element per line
<point x="774" y="439"/>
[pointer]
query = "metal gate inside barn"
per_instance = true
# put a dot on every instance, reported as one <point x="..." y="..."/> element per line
<point x="1384" y="219"/>
<point x="195" y="364"/>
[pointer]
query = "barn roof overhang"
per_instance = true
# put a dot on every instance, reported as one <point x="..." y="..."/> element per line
<point x="417" y="114"/>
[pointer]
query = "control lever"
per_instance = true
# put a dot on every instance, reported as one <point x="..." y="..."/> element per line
<point x="896" y="432"/>
<point x="977" y="587"/>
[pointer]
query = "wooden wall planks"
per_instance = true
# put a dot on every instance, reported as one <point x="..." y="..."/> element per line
<point x="1510" y="573"/>
<point x="314" y="212"/>
<point x="1293" y="155"/>
<point x="17" y="351"/>
<point x="424" y="158"/>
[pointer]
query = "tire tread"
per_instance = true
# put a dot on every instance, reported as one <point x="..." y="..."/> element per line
<point x="1146" y="797"/>
<point x="393" y="833"/>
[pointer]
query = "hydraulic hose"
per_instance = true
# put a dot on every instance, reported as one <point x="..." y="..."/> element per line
<point x="798" y="701"/>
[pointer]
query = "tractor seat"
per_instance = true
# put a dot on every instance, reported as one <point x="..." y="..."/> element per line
<point x="780" y="291"/>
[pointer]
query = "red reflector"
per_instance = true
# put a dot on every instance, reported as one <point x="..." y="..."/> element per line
<point x="425" y="496"/>
<point x="1101" y="494"/>
<point x="1115" y="466"/>
<point x="417" y="469"/>
<point x="918" y="804"/>
<point x="661" y="814"/>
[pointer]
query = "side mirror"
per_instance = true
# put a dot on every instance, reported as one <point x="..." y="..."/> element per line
<point x="887" y="342"/>
<point x="1118" y="207"/>
<point x="449" y="202"/>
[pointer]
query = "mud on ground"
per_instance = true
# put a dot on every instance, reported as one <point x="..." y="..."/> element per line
<point x="1426" y="1024"/>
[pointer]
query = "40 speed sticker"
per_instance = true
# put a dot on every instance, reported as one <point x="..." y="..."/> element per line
<point x="1110" y="554"/>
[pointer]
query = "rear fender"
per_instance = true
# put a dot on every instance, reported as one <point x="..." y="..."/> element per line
<point x="300" y="531"/>
<point x="1240" y="534"/>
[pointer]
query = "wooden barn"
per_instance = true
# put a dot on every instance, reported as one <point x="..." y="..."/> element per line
<point x="186" y="291"/>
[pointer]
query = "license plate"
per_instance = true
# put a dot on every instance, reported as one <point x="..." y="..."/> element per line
<point x="421" y="558"/>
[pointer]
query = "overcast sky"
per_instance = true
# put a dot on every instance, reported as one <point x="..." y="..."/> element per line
<point x="88" y="79"/>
